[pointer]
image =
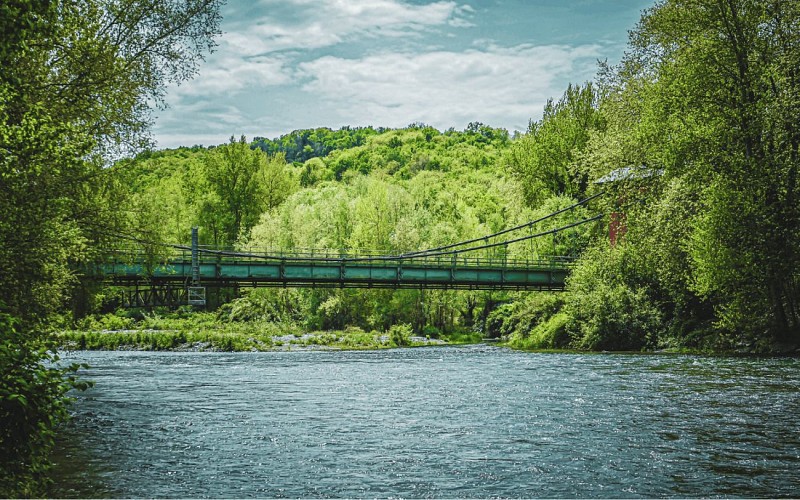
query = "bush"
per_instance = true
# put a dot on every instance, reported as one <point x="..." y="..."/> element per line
<point x="33" y="402"/>
<point x="500" y="321"/>
<point x="111" y="321"/>
<point x="400" y="335"/>
<point x="114" y="322"/>
<point x="517" y="320"/>
<point x="550" y="334"/>
<point x="355" y="337"/>
<point x="431" y="332"/>
<point x="614" y="317"/>
<point x="608" y="303"/>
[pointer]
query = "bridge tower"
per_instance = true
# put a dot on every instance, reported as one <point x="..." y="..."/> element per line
<point x="195" y="292"/>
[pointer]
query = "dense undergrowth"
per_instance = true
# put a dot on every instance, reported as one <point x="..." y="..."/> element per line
<point x="33" y="402"/>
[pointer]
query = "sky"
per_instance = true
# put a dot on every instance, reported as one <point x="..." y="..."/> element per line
<point x="284" y="65"/>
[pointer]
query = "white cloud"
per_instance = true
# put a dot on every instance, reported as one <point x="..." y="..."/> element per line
<point x="256" y="57"/>
<point x="323" y="23"/>
<point x="208" y="118"/>
<point x="286" y="64"/>
<point x="496" y="85"/>
<point x="226" y="75"/>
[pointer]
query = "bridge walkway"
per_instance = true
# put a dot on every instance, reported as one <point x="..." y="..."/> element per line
<point x="293" y="270"/>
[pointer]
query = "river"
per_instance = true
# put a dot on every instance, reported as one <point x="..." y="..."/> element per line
<point x="475" y="421"/>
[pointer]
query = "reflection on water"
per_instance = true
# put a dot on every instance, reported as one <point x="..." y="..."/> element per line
<point x="435" y="422"/>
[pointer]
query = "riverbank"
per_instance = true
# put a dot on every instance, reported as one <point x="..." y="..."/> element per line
<point x="207" y="332"/>
<point x="200" y="331"/>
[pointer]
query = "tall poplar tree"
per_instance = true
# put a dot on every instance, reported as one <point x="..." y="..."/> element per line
<point x="242" y="183"/>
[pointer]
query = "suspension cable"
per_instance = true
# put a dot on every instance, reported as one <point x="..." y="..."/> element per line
<point x="515" y="240"/>
<point x="504" y="231"/>
<point x="225" y="253"/>
<point x="431" y="252"/>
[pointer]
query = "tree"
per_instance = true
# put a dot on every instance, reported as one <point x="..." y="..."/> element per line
<point x="75" y="90"/>
<point x="243" y="183"/>
<point x="544" y="159"/>
<point x="276" y="181"/>
<point x="727" y="96"/>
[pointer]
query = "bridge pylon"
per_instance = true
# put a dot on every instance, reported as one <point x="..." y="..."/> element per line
<point x="195" y="292"/>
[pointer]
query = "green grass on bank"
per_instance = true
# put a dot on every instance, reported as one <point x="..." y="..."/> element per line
<point x="200" y="331"/>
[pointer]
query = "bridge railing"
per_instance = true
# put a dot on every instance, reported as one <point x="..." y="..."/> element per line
<point x="209" y="254"/>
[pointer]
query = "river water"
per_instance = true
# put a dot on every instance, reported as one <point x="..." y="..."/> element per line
<point x="474" y="421"/>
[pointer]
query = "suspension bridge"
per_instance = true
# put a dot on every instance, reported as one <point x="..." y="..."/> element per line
<point x="477" y="264"/>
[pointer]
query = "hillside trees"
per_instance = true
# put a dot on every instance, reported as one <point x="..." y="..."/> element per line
<point x="395" y="209"/>
<point x="302" y="145"/>
<point x="240" y="184"/>
<point x="402" y="190"/>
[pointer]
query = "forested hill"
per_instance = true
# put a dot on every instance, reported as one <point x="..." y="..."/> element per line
<point x="302" y="145"/>
<point x="417" y="147"/>
<point x="401" y="190"/>
<point x="191" y="186"/>
<point x="667" y="281"/>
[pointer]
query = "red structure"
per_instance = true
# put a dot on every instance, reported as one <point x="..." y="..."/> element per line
<point x="617" y="227"/>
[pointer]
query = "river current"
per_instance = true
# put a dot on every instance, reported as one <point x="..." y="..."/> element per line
<point x="475" y="421"/>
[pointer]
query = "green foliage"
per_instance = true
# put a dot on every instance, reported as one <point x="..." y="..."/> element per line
<point x="608" y="306"/>
<point x="216" y="332"/>
<point x="33" y="402"/>
<point x="498" y="322"/>
<point x="705" y="101"/>
<point x="356" y="338"/>
<point x="108" y="321"/>
<point x="398" y="191"/>
<point x="718" y="79"/>
<point x="242" y="184"/>
<point x="545" y="159"/>
<point x="431" y="332"/>
<point x="462" y="337"/>
<point x="515" y="320"/>
<point x="75" y="90"/>
<point x="76" y="82"/>
<point x="400" y="335"/>
<point x="553" y="333"/>
<point x="195" y="331"/>
<point x="303" y="145"/>
<point x="280" y="305"/>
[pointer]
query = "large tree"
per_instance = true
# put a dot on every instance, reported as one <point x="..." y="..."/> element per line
<point x="241" y="184"/>
<point x="77" y="82"/>
<point x="545" y="158"/>
<point x="724" y="80"/>
<point x="75" y="92"/>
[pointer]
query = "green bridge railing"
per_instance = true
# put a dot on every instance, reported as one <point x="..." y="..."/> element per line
<point x="321" y="268"/>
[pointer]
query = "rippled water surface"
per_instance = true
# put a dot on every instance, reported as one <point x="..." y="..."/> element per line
<point x="435" y="422"/>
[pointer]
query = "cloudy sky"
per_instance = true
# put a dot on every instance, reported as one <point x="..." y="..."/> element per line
<point x="283" y="65"/>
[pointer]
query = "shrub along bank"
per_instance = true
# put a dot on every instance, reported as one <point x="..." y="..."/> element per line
<point x="203" y="331"/>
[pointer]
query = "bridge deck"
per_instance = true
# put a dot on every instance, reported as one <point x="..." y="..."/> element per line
<point x="474" y="275"/>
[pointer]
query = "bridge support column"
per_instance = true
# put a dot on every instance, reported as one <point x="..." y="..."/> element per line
<point x="196" y="294"/>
